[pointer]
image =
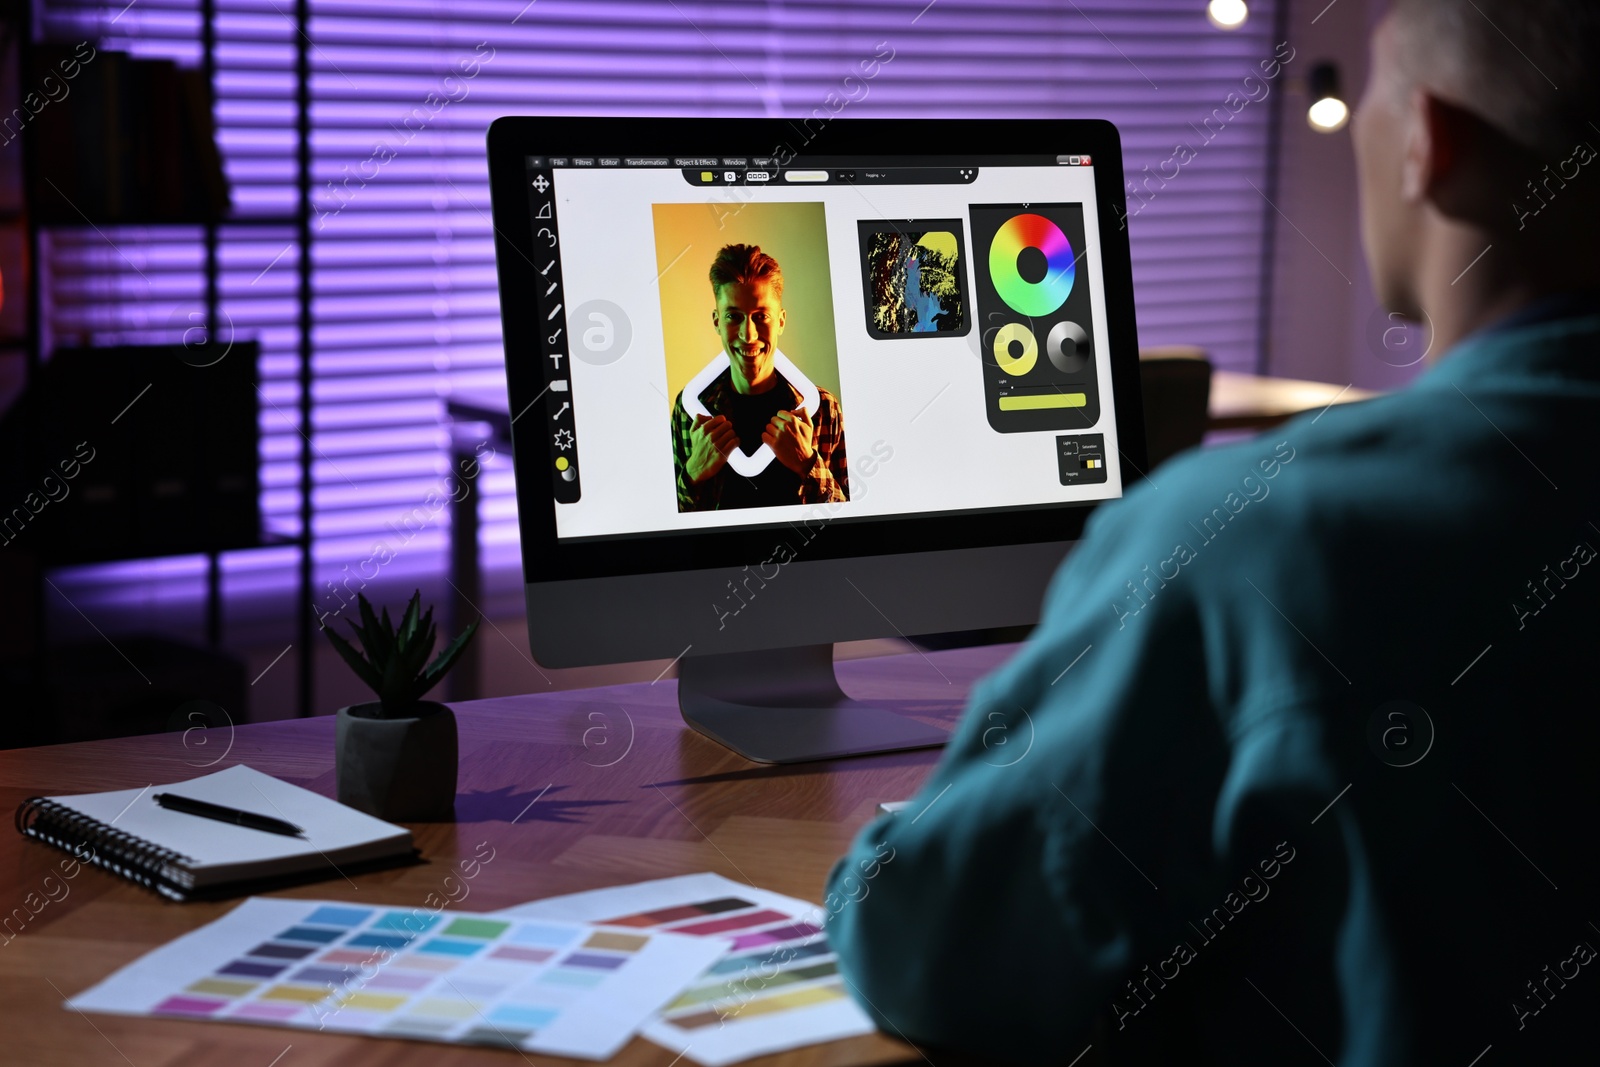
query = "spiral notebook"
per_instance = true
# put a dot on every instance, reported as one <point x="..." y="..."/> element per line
<point x="182" y="856"/>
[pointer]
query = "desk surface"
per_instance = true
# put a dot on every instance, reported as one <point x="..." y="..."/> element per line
<point x="573" y="790"/>
<point x="1253" y="401"/>
<point x="492" y="406"/>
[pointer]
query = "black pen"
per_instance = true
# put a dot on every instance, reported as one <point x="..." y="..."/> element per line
<point x="206" y="810"/>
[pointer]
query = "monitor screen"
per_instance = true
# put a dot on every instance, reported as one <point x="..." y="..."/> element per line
<point x="739" y="341"/>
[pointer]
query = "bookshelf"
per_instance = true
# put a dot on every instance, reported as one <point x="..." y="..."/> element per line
<point x="211" y="221"/>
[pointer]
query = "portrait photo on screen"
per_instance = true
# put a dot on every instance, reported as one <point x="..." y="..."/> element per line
<point x="751" y="355"/>
<point x="914" y="275"/>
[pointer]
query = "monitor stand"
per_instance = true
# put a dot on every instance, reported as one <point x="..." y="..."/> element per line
<point x="784" y="705"/>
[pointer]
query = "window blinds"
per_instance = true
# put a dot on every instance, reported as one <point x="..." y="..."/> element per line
<point x="403" y="303"/>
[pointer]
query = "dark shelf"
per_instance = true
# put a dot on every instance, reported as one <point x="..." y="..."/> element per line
<point x="211" y="198"/>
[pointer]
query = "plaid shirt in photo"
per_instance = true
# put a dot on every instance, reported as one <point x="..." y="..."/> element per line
<point x="827" y="480"/>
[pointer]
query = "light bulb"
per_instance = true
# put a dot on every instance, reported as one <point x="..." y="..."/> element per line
<point x="1227" y="14"/>
<point x="1328" y="114"/>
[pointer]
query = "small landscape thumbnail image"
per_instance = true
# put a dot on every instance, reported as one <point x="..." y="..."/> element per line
<point x="913" y="275"/>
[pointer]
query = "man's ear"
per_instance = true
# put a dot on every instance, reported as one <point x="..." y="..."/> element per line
<point x="1417" y="162"/>
<point x="1438" y="140"/>
<point x="783" y="319"/>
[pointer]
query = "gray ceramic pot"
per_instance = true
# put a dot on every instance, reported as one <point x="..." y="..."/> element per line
<point x="403" y="770"/>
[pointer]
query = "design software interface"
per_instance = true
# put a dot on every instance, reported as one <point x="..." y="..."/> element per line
<point x="729" y="341"/>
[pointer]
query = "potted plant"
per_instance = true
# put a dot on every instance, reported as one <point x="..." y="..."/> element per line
<point x="396" y="756"/>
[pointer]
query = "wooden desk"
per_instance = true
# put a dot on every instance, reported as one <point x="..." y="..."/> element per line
<point x="572" y="790"/>
<point x="1252" y="402"/>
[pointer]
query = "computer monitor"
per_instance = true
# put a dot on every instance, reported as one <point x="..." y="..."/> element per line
<point x="915" y="376"/>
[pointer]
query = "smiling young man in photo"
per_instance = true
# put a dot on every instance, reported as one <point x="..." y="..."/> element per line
<point x="751" y="404"/>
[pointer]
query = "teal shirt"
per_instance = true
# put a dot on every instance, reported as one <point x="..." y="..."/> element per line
<point x="1299" y="765"/>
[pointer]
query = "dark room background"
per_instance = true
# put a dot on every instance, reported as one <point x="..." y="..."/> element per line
<point x="356" y="249"/>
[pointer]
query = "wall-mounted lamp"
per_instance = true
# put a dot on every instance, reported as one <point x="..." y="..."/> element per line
<point x="1227" y="14"/>
<point x="1328" y="110"/>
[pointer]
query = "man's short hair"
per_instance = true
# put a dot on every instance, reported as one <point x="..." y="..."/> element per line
<point x="745" y="263"/>
<point x="1531" y="68"/>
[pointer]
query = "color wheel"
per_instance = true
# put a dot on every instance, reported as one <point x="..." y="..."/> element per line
<point x="1024" y="297"/>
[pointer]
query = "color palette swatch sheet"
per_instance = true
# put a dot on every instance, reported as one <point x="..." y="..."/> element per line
<point x="777" y="988"/>
<point x="558" y="987"/>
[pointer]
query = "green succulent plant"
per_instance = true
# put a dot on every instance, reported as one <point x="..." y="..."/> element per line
<point x="393" y="664"/>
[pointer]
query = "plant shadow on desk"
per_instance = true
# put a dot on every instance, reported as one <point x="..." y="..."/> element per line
<point x="527" y="805"/>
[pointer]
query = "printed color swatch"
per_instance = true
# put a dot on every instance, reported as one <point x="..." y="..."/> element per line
<point x="777" y="988"/>
<point x="562" y="988"/>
